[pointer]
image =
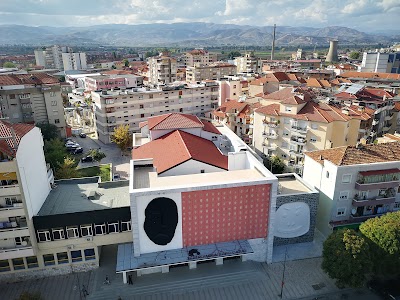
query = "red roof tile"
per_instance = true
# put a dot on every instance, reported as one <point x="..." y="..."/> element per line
<point x="174" y="121"/>
<point x="8" y="146"/>
<point x="178" y="147"/>
<point x="22" y="79"/>
<point x="209" y="127"/>
<point x="142" y="124"/>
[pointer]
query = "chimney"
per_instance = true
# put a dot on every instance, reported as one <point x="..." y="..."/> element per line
<point x="273" y="43"/>
<point x="332" y="53"/>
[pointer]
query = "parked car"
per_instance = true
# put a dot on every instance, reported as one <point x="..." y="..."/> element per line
<point x="116" y="177"/>
<point x="86" y="159"/>
<point x="82" y="135"/>
<point x="71" y="143"/>
<point x="78" y="150"/>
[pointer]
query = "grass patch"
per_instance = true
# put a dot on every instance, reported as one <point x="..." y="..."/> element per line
<point x="103" y="171"/>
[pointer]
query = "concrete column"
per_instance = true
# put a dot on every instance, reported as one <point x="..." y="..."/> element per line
<point x="219" y="261"/>
<point x="165" y="269"/>
<point x="124" y="277"/>
<point x="138" y="273"/>
<point x="244" y="257"/>
<point x="192" y="265"/>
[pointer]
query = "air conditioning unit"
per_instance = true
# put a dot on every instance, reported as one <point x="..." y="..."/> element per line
<point x="70" y="247"/>
<point x="89" y="238"/>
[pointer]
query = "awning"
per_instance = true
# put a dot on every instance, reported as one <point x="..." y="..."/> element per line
<point x="379" y="172"/>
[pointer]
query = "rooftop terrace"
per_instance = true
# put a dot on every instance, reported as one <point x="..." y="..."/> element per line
<point x="289" y="184"/>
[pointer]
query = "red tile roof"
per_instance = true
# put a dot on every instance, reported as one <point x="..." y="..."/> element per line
<point x="173" y="121"/>
<point x="209" y="127"/>
<point x="178" y="147"/>
<point x="22" y="79"/>
<point x="142" y="124"/>
<point x="8" y="146"/>
<point x="366" y="154"/>
<point x="354" y="74"/>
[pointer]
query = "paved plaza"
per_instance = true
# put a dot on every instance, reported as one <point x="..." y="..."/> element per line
<point x="304" y="279"/>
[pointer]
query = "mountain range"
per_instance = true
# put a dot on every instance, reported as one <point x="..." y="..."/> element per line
<point x="188" y="35"/>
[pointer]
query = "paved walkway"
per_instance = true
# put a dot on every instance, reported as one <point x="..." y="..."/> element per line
<point x="234" y="280"/>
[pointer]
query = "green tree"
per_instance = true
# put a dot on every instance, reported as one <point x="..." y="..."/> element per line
<point x="274" y="164"/>
<point x="30" y="296"/>
<point x="234" y="54"/>
<point x="9" y="64"/>
<point x="126" y="63"/>
<point x="354" y="55"/>
<point x="49" y="131"/>
<point x="97" y="154"/>
<point x="384" y="234"/>
<point x="346" y="258"/>
<point x="122" y="137"/>
<point x="54" y="152"/>
<point x="67" y="169"/>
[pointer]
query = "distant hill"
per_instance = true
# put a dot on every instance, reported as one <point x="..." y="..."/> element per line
<point x="187" y="34"/>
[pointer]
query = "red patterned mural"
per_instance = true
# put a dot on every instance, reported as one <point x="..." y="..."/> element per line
<point x="222" y="215"/>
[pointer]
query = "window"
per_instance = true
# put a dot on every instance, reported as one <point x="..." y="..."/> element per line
<point x="288" y="108"/>
<point x="340" y="211"/>
<point x="113" y="228"/>
<point x="327" y="174"/>
<point x="314" y="126"/>
<point x="202" y="171"/>
<point x="44" y="236"/>
<point x="32" y="262"/>
<point x="58" y="234"/>
<point x="396" y="206"/>
<point x="344" y="195"/>
<point x="86" y="230"/>
<point x="4" y="266"/>
<point x="141" y="106"/>
<point x="382" y="192"/>
<point x="346" y="178"/>
<point x="76" y="255"/>
<point x="62" y="258"/>
<point x="52" y="94"/>
<point x="18" y="263"/>
<point x="142" y="115"/>
<point x="48" y="259"/>
<point x="12" y="96"/>
<point x="313" y="139"/>
<point x="72" y="232"/>
<point x="15" y="115"/>
<point x="90" y="254"/>
<point x="57" y="121"/>
<point x="53" y="103"/>
<point x="214" y="138"/>
<point x="100" y="229"/>
<point x="126" y="226"/>
<point x="285" y="132"/>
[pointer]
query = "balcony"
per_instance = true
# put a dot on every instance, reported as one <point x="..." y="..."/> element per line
<point x="272" y="124"/>
<point x="298" y="140"/>
<point x="297" y="153"/>
<point x="389" y="117"/>
<point x="9" y="190"/>
<point x="301" y="130"/>
<point x="388" y="198"/>
<point x="16" y="251"/>
<point x="269" y="135"/>
<point x="372" y="133"/>
<point x="378" y="179"/>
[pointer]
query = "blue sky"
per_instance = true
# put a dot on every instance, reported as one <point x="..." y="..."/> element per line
<point x="365" y="15"/>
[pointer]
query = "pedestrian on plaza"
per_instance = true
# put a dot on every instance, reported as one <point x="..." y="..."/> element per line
<point x="84" y="291"/>
<point x="130" y="279"/>
<point x="119" y="298"/>
<point x="107" y="281"/>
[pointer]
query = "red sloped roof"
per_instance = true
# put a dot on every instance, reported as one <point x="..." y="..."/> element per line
<point x="178" y="147"/>
<point x="209" y="127"/>
<point x="142" y="124"/>
<point x="174" y="121"/>
<point x="8" y="146"/>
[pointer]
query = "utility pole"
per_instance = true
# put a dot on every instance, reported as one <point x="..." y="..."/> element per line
<point x="283" y="274"/>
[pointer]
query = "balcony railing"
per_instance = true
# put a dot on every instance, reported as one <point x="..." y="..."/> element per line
<point x="297" y="153"/>
<point x="271" y="124"/>
<point x="298" y="129"/>
<point x="298" y="140"/>
<point x="387" y="199"/>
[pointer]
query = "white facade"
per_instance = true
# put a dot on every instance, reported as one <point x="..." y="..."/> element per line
<point x="74" y="61"/>
<point x="40" y="58"/>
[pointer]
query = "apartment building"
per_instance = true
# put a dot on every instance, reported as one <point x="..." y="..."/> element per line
<point x="231" y="88"/>
<point x="379" y="100"/>
<point x="32" y="98"/>
<point x="74" y="61"/>
<point x="248" y="63"/>
<point x="199" y="57"/>
<point x="380" y="62"/>
<point x="162" y="69"/>
<point x="293" y="123"/>
<point x="25" y="184"/>
<point x="272" y="82"/>
<point x="355" y="182"/>
<point x="106" y="82"/>
<point x="210" y="72"/>
<point x="113" y="108"/>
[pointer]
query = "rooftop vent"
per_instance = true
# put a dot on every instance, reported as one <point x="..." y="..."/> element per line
<point x="92" y="195"/>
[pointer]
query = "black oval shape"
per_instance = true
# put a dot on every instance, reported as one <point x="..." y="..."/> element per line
<point x="161" y="219"/>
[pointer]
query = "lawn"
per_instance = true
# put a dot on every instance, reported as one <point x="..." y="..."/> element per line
<point x="103" y="171"/>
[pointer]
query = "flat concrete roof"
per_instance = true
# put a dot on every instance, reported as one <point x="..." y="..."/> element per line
<point x="290" y="184"/>
<point x="72" y="196"/>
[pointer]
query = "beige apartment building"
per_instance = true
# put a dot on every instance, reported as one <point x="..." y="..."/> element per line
<point x="210" y="72"/>
<point x="162" y="69"/>
<point x="248" y="63"/>
<point x="113" y="108"/>
<point x="32" y="98"/>
<point x="199" y="57"/>
<point x="294" y="124"/>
